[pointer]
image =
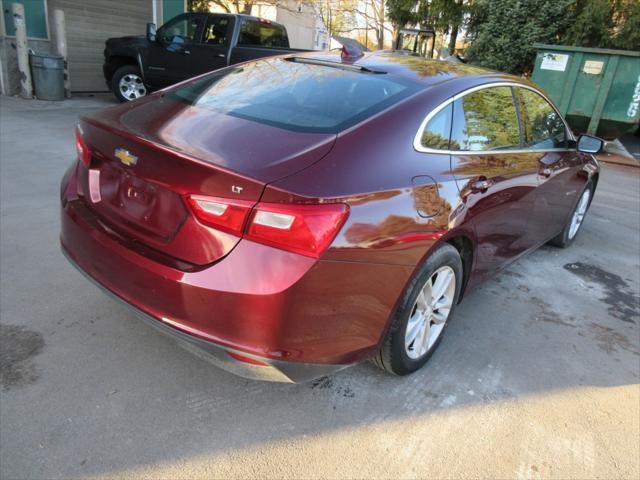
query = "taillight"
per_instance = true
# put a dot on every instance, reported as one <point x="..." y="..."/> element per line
<point x="223" y="214"/>
<point x="304" y="229"/>
<point x="84" y="155"/>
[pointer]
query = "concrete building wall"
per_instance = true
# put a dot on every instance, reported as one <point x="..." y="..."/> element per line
<point x="304" y="26"/>
<point x="9" y="81"/>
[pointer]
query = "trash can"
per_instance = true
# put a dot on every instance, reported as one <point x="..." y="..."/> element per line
<point x="596" y="89"/>
<point x="47" y="71"/>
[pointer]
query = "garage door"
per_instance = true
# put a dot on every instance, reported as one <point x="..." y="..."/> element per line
<point x="89" y="24"/>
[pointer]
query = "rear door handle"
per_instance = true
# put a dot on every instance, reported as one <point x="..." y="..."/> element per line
<point x="481" y="185"/>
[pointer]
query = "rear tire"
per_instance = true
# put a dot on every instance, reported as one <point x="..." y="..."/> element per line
<point x="399" y="354"/>
<point x="127" y="84"/>
<point x="572" y="228"/>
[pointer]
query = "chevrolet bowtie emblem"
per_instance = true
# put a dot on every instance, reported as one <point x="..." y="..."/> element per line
<point x="126" y="157"/>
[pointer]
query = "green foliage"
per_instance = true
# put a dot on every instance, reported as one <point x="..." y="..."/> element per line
<point x="504" y="32"/>
<point x="401" y="12"/>
<point x="592" y="24"/>
<point x="627" y="35"/>
<point x="604" y="24"/>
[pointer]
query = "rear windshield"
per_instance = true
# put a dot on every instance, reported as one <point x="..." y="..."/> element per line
<point x="296" y="96"/>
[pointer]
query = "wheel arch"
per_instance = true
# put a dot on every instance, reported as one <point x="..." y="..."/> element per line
<point x="115" y="62"/>
<point x="463" y="244"/>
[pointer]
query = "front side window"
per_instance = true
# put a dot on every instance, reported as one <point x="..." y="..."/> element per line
<point x="485" y="120"/>
<point x="181" y="30"/>
<point x="262" y="34"/>
<point x="542" y="126"/>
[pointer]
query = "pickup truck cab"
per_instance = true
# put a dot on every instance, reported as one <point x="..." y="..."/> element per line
<point x="188" y="45"/>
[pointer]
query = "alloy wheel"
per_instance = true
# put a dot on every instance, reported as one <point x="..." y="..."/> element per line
<point x="430" y="312"/>
<point x="579" y="213"/>
<point x="131" y="86"/>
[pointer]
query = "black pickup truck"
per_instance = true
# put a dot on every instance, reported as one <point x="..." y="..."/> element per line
<point x="186" y="46"/>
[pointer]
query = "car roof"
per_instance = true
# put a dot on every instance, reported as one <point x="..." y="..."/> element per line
<point x="426" y="71"/>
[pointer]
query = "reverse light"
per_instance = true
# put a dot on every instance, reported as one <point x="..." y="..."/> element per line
<point x="224" y="214"/>
<point x="84" y="155"/>
<point x="281" y="221"/>
<point x="303" y="229"/>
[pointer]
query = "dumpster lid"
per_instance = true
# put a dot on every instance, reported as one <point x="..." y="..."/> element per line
<point x="603" y="51"/>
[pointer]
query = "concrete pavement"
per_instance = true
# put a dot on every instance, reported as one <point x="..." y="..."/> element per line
<point x="537" y="377"/>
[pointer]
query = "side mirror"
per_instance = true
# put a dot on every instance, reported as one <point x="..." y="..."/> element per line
<point x="151" y="32"/>
<point x="590" y="144"/>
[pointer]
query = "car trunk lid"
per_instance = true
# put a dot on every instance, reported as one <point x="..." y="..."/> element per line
<point x="147" y="158"/>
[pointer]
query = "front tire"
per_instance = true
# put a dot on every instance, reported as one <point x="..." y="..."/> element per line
<point x="127" y="84"/>
<point x="419" y="323"/>
<point x="571" y="229"/>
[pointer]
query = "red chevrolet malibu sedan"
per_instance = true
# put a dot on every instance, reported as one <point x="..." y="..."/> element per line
<point x="292" y="216"/>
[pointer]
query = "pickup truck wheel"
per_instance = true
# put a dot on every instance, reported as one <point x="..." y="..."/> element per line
<point x="127" y="83"/>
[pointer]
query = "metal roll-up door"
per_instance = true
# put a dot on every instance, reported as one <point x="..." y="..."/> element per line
<point x="89" y="24"/>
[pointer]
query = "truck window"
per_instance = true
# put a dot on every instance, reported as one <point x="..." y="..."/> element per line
<point x="180" y="30"/>
<point x="262" y="33"/>
<point x="216" y="31"/>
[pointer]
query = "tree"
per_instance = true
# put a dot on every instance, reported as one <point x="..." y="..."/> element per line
<point x="229" y="6"/>
<point x="447" y="16"/>
<point x="504" y="32"/>
<point x="374" y="15"/>
<point x="591" y="25"/>
<point x="338" y="16"/>
<point x="401" y="12"/>
<point x="628" y="18"/>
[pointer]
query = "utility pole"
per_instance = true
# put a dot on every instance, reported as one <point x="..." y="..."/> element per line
<point x="22" y="50"/>
<point x="60" y="28"/>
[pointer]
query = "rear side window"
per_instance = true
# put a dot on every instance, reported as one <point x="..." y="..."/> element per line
<point x="296" y="96"/>
<point x="262" y="34"/>
<point x="485" y="120"/>
<point x="542" y="126"/>
<point x="437" y="131"/>
<point x="215" y="33"/>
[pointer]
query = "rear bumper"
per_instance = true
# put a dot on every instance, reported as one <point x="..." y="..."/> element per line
<point x="273" y="371"/>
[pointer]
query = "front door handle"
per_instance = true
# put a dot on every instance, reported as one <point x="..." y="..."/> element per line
<point x="546" y="172"/>
<point x="221" y="55"/>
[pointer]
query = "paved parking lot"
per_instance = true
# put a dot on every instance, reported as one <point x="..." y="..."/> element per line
<point x="538" y="376"/>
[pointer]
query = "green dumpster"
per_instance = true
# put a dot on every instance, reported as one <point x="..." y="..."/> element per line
<point x="597" y="90"/>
